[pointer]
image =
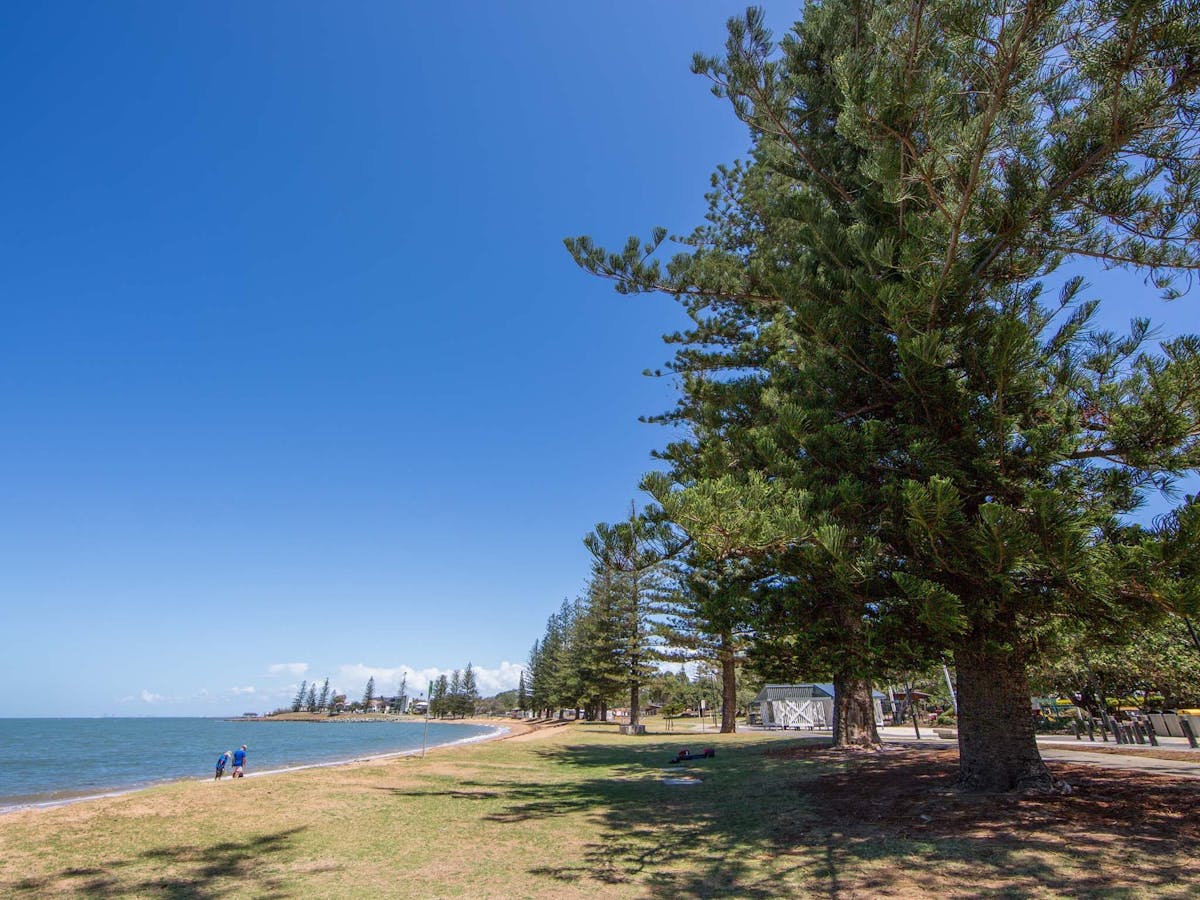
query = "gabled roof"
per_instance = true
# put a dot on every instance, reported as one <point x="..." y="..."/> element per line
<point x="793" y="692"/>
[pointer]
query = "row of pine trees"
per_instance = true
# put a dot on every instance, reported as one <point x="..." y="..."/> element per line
<point x="309" y="699"/>
<point x="327" y="700"/>
<point x="643" y="606"/>
<point x="456" y="696"/>
<point x="903" y="434"/>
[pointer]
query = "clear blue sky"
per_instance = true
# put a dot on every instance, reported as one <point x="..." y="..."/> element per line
<point x="297" y="378"/>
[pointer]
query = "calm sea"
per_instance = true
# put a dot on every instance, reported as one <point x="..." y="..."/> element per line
<point x="55" y="760"/>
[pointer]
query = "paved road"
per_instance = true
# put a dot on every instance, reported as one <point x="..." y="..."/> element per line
<point x="1054" y="750"/>
<point x="1120" y="761"/>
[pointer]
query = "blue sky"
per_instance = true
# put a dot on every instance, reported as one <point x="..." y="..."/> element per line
<point x="297" y="378"/>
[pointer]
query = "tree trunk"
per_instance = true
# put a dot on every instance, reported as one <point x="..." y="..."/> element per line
<point x="603" y="710"/>
<point x="997" y="750"/>
<point x="1192" y="632"/>
<point x="728" y="687"/>
<point x="853" y="713"/>
<point x="1090" y="699"/>
<point x="635" y="701"/>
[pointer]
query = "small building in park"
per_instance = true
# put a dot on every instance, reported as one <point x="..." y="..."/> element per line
<point x="806" y="706"/>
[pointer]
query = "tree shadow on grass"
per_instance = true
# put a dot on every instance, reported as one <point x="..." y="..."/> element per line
<point x="177" y="873"/>
<point x="677" y="840"/>
<point x="468" y="794"/>
<point x="799" y="820"/>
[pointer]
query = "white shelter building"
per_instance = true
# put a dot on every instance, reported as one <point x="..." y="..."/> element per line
<point x="804" y="706"/>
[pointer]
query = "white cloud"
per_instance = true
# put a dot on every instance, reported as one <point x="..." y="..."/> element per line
<point x="148" y="697"/>
<point x="293" y="669"/>
<point x="244" y="690"/>
<point x="503" y="678"/>
<point x="352" y="679"/>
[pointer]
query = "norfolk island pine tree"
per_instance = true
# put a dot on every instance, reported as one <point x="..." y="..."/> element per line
<point x="919" y="199"/>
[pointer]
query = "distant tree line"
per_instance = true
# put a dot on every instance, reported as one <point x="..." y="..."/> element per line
<point x="456" y="696"/>
<point x="646" y="603"/>
<point x="328" y="700"/>
<point x="309" y="699"/>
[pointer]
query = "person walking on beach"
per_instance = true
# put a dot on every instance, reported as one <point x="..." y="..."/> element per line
<point x="221" y="761"/>
<point x="239" y="762"/>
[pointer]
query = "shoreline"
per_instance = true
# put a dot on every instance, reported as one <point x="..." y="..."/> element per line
<point x="321" y="719"/>
<point x="499" y="732"/>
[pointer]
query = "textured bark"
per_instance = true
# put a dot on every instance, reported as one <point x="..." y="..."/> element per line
<point x="728" y="688"/>
<point x="853" y="713"/>
<point x="635" y="702"/>
<point x="997" y="749"/>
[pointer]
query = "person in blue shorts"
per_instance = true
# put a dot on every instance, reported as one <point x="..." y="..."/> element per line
<point x="239" y="762"/>
<point x="221" y="762"/>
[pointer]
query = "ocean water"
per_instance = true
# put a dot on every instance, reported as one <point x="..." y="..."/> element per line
<point x="46" y="761"/>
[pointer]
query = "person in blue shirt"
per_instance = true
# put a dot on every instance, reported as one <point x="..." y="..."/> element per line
<point x="221" y="761"/>
<point x="239" y="762"/>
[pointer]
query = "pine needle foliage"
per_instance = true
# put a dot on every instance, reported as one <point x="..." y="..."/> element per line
<point x="885" y="395"/>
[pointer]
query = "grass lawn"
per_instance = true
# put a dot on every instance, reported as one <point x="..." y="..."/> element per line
<point x="580" y="811"/>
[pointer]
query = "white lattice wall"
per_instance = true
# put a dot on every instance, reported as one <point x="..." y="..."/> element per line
<point x="813" y="713"/>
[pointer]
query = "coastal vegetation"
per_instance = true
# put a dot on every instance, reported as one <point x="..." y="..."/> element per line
<point x="455" y="696"/>
<point x="902" y="435"/>
<point x="308" y="700"/>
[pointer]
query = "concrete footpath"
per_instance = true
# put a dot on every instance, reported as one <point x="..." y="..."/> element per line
<point x="1130" y="761"/>
<point x="1054" y="749"/>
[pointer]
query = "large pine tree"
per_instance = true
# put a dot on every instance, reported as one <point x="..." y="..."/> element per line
<point x="601" y="640"/>
<point x="633" y="554"/>
<point x="963" y="439"/>
<point x="454" y="696"/>
<point x="708" y="623"/>
<point x="439" y="697"/>
<point x="470" y="691"/>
